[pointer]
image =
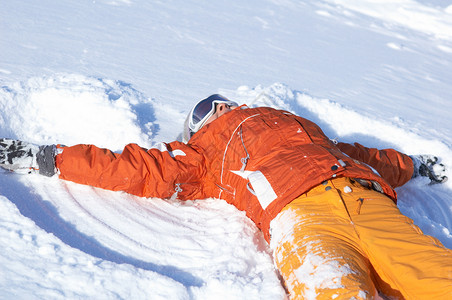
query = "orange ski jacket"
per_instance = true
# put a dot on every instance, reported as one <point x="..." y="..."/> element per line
<point x="257" y="159"/>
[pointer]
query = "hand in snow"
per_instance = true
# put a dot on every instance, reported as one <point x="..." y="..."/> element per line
<point x="24" y="157"/>
<point x="427" y="165"/>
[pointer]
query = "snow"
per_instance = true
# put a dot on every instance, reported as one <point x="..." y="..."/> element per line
<point x="317" y="270"/>
<point x="110" y="72"/>
<point x="320" y="267"/>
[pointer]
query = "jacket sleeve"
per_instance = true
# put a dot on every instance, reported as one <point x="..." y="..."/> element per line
<point x="395" y="167"/>
<point x="155" y="172"/>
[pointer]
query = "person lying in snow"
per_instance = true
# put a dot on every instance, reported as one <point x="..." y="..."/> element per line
<point x="319" y="203"/>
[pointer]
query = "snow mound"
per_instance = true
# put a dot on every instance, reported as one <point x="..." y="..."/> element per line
<point x="71" y="109"/>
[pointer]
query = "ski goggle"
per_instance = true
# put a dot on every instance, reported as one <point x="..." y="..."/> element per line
<point x="204" y="110"/>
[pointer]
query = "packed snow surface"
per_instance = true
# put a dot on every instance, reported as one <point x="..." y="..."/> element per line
<point x="112" y="72"/>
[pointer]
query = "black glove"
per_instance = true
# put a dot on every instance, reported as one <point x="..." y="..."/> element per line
<point x="427" y="165"/>
<point x="24" y="157"/>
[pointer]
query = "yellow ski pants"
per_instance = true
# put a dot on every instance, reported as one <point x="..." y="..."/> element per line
<point x="343" y="241"/>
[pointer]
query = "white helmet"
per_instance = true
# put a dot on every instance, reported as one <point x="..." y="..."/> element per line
<point x="201" y="112"/>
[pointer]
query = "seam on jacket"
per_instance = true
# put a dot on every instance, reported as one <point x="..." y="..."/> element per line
<point x="227" y="145"/>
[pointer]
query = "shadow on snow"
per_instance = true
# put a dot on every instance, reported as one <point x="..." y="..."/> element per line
<point x="45" y="215"/>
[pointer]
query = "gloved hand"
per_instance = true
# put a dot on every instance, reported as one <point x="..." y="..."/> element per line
<point x="427" y="165"/>
<point x="24" y="157"/>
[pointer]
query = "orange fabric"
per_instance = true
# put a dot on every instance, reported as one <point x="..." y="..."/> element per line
<point x="393" y="166"/>
<point x="340" y="241"/>
<point x="147" y="173"/>
<point x="258" y="159"/>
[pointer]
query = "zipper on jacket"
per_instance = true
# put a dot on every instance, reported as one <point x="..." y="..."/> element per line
<point x="227" y="145"/>
<point x="245" y="159"/>
<point x="177" y="190"/>
<point x="222" y="188"/>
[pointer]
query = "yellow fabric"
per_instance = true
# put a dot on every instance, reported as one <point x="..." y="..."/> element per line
<point x="343" y="241"/>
